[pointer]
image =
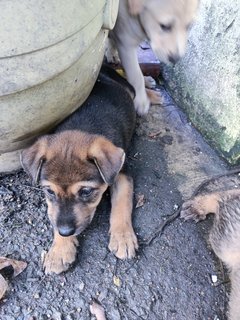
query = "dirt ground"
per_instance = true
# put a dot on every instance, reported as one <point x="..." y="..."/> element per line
<point x="169" y="280"/>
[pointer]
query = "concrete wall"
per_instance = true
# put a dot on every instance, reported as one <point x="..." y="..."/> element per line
<point x="206" y="83"/>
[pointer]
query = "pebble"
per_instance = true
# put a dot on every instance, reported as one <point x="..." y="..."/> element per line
<point x="81" y="286"/>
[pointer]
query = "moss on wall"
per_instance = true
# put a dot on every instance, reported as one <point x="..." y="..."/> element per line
<point x="206" y="83"/>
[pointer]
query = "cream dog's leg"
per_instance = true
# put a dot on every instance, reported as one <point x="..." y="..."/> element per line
<point x="128" y="56"/>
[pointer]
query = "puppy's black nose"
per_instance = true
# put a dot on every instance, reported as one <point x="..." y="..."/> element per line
<point x="66" y="230"/>
<point x="173" y="58"/>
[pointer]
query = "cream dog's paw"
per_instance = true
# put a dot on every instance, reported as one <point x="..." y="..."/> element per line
<point x="141" y="103"/>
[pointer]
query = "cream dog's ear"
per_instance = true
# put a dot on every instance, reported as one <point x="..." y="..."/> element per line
<point x="135" y="6"/>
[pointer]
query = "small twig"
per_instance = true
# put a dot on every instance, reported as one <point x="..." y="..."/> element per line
<point x="219" y="284"/>
<point x="161" y="227"/>
<point x="32" y="187"/>
<point x="5" y="190"/>
<point x="35" y="290"/>
<point x="132" y="264"/>
<point x="133" y="158"/>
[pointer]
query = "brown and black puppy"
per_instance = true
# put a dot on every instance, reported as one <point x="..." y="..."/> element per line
<point x="224" y="236"/>
<point x="76" y="164"/>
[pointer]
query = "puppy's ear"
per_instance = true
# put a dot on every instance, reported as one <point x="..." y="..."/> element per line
<point x="135" y="7"/>
<point x="108" y="158"/>
<point x="32" y="159"/>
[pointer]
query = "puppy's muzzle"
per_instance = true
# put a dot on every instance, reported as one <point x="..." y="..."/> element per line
<point x="66" y="225"/>
<point x="66" y="230"/>
<point x="173" y="58"/>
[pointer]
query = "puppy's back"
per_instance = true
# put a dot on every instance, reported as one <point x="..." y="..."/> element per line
<point x="108" y="111"/>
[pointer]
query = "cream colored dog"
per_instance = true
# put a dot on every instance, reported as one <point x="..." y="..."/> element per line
<point x="164" y="23"/>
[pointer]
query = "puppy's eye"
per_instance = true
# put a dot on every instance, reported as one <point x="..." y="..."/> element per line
<point x="166" y="27"/>
<point x="86" y="192"/>
<point x="49" y="192"/>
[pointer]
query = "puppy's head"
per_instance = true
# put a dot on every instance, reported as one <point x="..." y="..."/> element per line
<point x="74" y="170"/>
<point x="166" y="24"/>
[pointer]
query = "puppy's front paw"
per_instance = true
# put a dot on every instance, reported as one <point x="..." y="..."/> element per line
<point x="155" y="97"/>
<point x="123" y="243"/>
<point x="59" y="258"/>
<point x="141" y="103"/>
<point x="149" y="82"/>
<point x="111" y="55"/>
<point x="194" y="209"/>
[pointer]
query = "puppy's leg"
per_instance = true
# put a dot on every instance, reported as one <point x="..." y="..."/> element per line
<point x="150" y="83"/>
<point x="199" y="207"/>
<point x="61" y="254"/>
<point x="128" y="56"/>
<point x="111" y="52"/>
<point x="154" y="96"/>
<point x="123" y="241"/>
<point x="234" y="301"/>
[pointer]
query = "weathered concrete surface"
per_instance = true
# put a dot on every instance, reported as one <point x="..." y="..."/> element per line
<point x="169" y="280"/>
<point x="206" y="82"/>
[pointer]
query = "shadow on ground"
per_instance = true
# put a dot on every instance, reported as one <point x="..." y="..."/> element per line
<point x="170" y="278"/>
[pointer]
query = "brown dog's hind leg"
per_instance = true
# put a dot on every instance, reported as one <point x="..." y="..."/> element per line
<point x="61" y="254"/>
<point x="234" y="305"/>
<point x="155" y="97"/>
<point x="198" y="208"/>
<point x="150" y="83"/>
<point x="123" y="241"/>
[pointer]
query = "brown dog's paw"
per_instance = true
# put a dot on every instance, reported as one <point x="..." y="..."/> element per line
<point x="194" y="209"/>
<point x="59" y="258"/>
<point x="155" y="97"/>
<point x="150" y="83"/>
<point x="123" y="244"/>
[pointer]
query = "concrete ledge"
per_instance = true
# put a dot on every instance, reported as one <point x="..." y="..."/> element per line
<point x="206" y="83"/>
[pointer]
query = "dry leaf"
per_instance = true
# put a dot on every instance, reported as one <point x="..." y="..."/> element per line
<point x="97" y="310"/>
<point x="3" y="286"/>
<point x="154" y="134"/>
<point x="116" y="281"/>
<point x="18" y="266"/>
<point x="140" y="200"/>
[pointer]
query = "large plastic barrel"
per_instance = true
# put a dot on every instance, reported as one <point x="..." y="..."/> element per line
<point x="50" y="55"/>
